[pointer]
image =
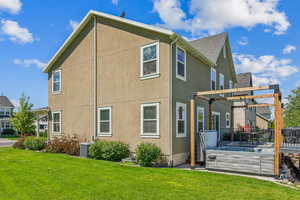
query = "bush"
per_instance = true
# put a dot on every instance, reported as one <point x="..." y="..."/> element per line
<point x="34" y="143"/>
<point x="19" y="144"/>
<point x="147" y="154"/>
<point x="8" y="131"/>
<point x="109" y="150"/>
<point x="44" y="134"/>
<point x="65" y="144"/>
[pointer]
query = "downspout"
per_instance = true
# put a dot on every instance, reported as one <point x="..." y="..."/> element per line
<point x="171" y="101"/>
<point x="95" y="79"/>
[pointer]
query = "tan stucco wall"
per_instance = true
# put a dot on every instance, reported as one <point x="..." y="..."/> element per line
<point x="261" y="123"/>
<point x="118" y="83"/>
<point x="75" y="100"/>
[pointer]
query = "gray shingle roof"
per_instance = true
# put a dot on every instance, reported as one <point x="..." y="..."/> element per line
<point x="4" y="101"/>
<point x="210" y="46"/>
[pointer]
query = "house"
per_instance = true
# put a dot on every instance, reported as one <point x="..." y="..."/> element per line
<point x="244" y="117"/>
<point x="263" y="117"/>
<point x="118" y="79"/>
<point x="41" y="122"/>
<point x="6" y="111"/>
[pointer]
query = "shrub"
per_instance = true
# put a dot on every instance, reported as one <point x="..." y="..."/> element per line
<point x="147" y="154"/>
<point x="43" y="134"/>
<point x="34" y="143"/>
<point x="19" y="144"/>
<point x="109" y="150"/>
<point x="8" y="131"/>
<point x="65" y="144"/>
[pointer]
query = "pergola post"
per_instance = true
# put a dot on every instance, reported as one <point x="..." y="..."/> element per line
<point x="278" y="133"/>
<point x="192" y="132"/>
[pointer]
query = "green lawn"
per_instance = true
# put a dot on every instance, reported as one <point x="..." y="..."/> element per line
<point x="32" y="175"/>
<point x="10" y="137"/>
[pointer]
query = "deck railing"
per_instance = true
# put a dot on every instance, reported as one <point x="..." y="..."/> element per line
<point x="291" y="137"/>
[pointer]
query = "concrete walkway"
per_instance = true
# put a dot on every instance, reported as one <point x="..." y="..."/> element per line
<point x="6" y="143"/>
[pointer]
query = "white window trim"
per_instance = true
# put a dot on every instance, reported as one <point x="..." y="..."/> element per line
<point x="149" y="135"/>
<point x="211" y="78"/>
<point x="229" y="119"/>
<point x="201" y="109"/>
<point x="180" y="135"/>
<point x="221" y="77"/>
<point x="60" y="123"/>
<point x="183" y="78"/>
<point x="60" y="80"/>
<point x="104" y="134"/>
<point x="153" y="75"/>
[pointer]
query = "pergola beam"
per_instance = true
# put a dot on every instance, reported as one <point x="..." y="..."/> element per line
<point x="254" y="105"/>
<point x="244" y="97"/>
<point x="234" y="90"/>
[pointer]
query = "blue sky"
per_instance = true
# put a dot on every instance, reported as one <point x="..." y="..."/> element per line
<point x="264" y="35"/>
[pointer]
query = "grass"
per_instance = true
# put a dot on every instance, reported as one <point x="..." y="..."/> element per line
<point x="31" y="175"/>
<point x="9" y="137"/>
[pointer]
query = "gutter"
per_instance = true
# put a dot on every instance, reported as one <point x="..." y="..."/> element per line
<point x="171" y="101"/>
<point x="95" y="78"/>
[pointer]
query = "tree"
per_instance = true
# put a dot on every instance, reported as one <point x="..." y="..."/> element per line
<point x="292" y="109"/>
<point x="23" y="121"/>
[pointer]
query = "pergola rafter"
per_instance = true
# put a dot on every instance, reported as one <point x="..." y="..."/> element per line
<point x="276" y="95"/>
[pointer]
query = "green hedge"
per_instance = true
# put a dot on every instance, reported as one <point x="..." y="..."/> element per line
<point x="109" y="150"/>
<point x="147" y="154"/>
<point x="34" y="143"/>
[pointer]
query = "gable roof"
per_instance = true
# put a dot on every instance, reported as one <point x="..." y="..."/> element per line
<point x="172" y="35"/>
<point x="4" y="101"/>
<point x="210" y="46"/>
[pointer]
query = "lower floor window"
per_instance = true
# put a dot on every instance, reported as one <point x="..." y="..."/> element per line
<point x="227" y="120"/>
<point x="56" y="122"/>
<point x="200" y="119"/>
<point x="104" y="121"/>
<point x="150" y="119"/>
<point x="181" y="120"/>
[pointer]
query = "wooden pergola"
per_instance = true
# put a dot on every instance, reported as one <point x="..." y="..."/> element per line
<point x="275" y="94"/>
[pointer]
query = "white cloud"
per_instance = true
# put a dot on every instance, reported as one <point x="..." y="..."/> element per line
<point x="115" y="2"/>
<point x="30" y="62"/>
<point x="243" y="41"/>
<point x="265" y="69"/>
<point x="12" y="6"/>
<point x="288" y="49"/>
<point x="212" y="16"/>
<point x="15" y="32"/>
<point x="73" y="24"/>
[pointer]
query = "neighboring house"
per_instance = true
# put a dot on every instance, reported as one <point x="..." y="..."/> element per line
<point x="6" y="111"/>
<point x="263" y="117"/>
<point x="244" y="118"/>
<point x="41" y="121"/>
<point x="117" y="79"/>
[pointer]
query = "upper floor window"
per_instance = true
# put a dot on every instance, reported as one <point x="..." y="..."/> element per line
<point x="150" y="120"/>
<point x="221" y="82"/>
<point x="104" y="121"/>
<point x="56" y="81"/>
<point x="150" y="60"/>
<point x="180" y="64"/>
<point x="224" y="51"/>
<point x="181" y="128"/>
<point x="213" y="78"/>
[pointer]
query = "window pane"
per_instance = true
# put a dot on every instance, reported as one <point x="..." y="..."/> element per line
<point x="180" y="55"/>
<point x="149" y="67"/>
<point x="213" y="85"/>
<point x="150" y="126"/>
<point x="56" y="127"/>
<point x="180" y="69"/>
<point x="200" y="116"/>
<point x="149" y="53"/>
<point x="104" y="127"/>
<point x="150" y="112"/>
<point x="180" y="126"/>
<point x="56" y="76"/>
<point x="56" y="86"/>
<point x="104" y="114"/>
<point x="200" y="126"/>
<point x="180" y="113"/>
<point x="56" y="117"/>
